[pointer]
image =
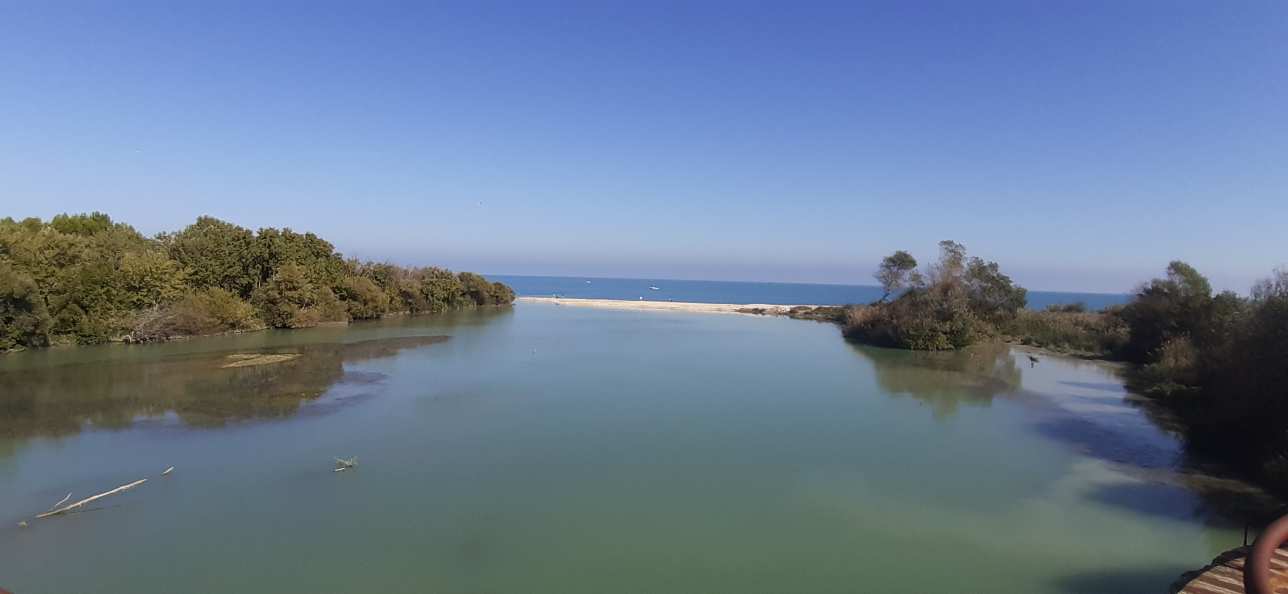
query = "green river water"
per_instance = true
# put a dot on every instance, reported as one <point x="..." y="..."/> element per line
<point x="563" y="450"/>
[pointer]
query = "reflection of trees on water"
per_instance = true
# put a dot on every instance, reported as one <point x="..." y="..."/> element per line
<point x="946" y="380"/>
<point x="197" y="388"/>
<point x="1167" y="480"/>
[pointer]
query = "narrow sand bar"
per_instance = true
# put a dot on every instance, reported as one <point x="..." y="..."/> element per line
<point x="725" y="308"/>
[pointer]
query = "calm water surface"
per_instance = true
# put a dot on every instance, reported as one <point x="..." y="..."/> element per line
<point x="551" y="449"/>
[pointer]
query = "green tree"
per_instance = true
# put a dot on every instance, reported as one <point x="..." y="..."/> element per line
<point x="502" y="294"/>
<point x="992" y="295"/>
<point x="895" y="272"/>
<point x="81" y="224"/>
<point x="1173" y="307"/>
<point x="85" y="278"/>
<point x="24" y="321"/>
<point x="150" y="278"/>
<point x="363" y="298"/>
<point x="963" y="302"/>
<point x="216" y="254"/>
<point x="475" y="288"/>
<point x="275" y="248"/>
<point x="287" y="300"/>
<point x="441" y="290"/>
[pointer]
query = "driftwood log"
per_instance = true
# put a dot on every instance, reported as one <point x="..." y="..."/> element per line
<point x="72" y="506"/>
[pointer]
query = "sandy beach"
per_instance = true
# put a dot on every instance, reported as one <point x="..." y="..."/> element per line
<point x="725" y="308"/>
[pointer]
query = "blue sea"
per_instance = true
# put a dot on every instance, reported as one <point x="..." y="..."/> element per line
<point x="746" y="292"/>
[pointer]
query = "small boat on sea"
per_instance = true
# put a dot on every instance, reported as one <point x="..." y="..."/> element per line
<point x="652" y="288"/>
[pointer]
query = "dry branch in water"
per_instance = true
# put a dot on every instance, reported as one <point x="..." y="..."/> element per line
<point x="67" y="508"/>
<point x="61" y="501"/>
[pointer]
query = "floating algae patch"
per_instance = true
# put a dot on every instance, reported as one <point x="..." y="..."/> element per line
<point x="251" y="359"/>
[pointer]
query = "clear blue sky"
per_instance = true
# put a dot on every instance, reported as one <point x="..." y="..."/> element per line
<point x="1080" y="144"/>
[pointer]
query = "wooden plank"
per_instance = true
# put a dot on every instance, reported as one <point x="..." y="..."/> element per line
<point x="1225" y="574"/>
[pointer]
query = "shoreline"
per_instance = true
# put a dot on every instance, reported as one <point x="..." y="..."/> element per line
<point x="747" y="309"/>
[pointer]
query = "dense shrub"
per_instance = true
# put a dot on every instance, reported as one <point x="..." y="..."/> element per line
<point x="23" y="319"/>
<point x="217" y="254"/>
<point x="957" y="303"/>
<point x="475" y="288"/>
<point x="1221" y="362"/>
<point x="1077" y="307"/>
<point x="290" y="300"/>
<point x="441" y="290"/>
<point x="1179" y="305"/>
<point x="921" y="319"/>
<point x="363" y="297"/>
<point x="150" y="278"/>
<point x="501" y="294"/>
<point x="85" y="278"/>
<point x="1070" y="330"/>
<point x="202" y="311"/>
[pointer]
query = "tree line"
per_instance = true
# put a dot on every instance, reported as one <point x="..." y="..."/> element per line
<point x="84" y="279"/>
<point x="1218" y="360"/>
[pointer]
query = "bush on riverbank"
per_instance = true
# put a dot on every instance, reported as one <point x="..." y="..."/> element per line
<point x="202" y="311"/>
<point x="24" y="321"/>
<point x="1220" y="361"/>
<point x="87" y="279"/>
<point x="1073" y="331"/>
<point x="956" y="303"/>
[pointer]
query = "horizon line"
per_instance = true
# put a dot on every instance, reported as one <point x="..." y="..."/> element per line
<point x="832" y="284"/>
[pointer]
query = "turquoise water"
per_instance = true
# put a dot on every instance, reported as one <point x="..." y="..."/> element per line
<point x="747" y="292"/>
<point x="551" y="449"/>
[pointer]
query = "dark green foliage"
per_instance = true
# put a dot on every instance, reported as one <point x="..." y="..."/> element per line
<point x="23" y="319"/>
<point x="922" y="319"/>
<point x="320" y="261"/>
<point x="475" y="288"/>
<point x="81" y="224"/>
<point x="87" y="279"/>
<point x="991" y="295"/>
<point x="501" y="294"/>
<point x="896" y="272"/>
<point x="955" y="305"/>
<point x="441" y="290"/>
<point x="150" y="279"/>
<point x="217" y="254"/>
<point x="363" y="297"/>
<point x="290" y="300"/>
<point x="1219" y="361"/>
<point x="1173" y="307"/>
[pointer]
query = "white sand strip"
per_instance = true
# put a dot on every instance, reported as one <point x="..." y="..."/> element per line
<point x="725" y="308"/>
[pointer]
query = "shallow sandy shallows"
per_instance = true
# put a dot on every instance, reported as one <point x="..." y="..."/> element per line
<point x="729" y="308"/>
<point x="252" y="359"/>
